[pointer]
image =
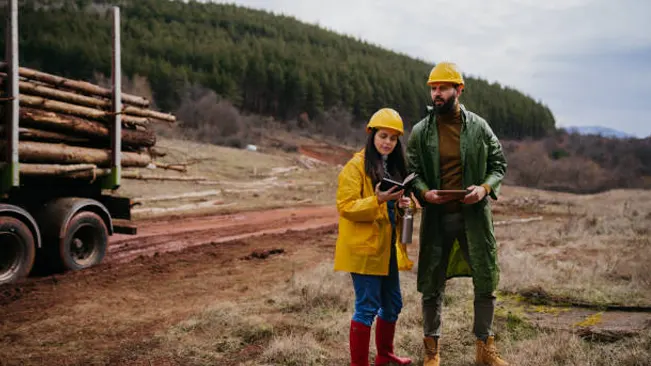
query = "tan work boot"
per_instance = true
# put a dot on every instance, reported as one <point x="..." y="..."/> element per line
<point x="487" y="353"/>
<point x="432" y="357"/>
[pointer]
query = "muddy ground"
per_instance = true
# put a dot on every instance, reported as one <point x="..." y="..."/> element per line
<point x="109" y="314"/>
<point x="180" y="266"/>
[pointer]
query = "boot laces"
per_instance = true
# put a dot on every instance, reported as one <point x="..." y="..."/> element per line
<point x="492" y="352"/>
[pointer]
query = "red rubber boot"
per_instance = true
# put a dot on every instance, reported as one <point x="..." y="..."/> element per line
<point x="384" y="332"/>
<point x="360" y="337"/>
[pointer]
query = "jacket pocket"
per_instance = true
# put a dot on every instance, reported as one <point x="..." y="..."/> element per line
<point x="365" y="239"/>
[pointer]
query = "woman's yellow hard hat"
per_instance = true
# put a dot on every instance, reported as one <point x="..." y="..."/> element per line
<point x="386" y="118"/>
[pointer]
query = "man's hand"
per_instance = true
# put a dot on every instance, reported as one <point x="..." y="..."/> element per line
<point x="390" y="195"/>
<point x="476" y="194"/>
<point x="432" y="196"/>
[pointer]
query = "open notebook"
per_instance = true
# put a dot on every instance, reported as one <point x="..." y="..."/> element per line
<point x="387" y="183"/>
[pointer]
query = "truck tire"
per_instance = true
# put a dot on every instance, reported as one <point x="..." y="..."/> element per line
<point x="85" y="241"/>
<point x="17" y="250"/>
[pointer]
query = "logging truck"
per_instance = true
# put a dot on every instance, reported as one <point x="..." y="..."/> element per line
<point x="63" y="144"/>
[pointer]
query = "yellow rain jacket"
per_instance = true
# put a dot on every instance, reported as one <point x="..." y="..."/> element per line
<point x="364" y="241"/>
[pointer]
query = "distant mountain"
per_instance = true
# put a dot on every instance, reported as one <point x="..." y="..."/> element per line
<point x="599" y="130"/>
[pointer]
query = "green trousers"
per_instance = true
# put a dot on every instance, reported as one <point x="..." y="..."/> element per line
<point x="484" y="304"/>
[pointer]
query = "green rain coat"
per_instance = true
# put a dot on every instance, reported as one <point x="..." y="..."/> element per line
<point x="482" y="161"/>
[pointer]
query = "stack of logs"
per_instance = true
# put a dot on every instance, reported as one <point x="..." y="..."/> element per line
<point x="65" y="126"/>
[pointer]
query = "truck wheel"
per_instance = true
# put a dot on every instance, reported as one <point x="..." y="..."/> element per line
<point x="16" y="250"/>
<point x="85" y="241"/>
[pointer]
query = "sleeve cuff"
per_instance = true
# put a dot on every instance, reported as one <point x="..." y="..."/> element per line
<point x="422" y="195"/>
<point x="487" y="188"/>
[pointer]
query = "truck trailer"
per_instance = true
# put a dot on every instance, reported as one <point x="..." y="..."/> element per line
<point x="58" y="203"/>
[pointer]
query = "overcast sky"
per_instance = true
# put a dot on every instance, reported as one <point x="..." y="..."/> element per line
<point x="588" y="60"/>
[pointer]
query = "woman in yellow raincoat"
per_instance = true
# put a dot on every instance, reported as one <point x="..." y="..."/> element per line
<point x="368" y="246"/>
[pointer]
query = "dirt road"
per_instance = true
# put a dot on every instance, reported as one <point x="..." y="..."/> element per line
<point x="146" y="285"/>
<point x="176" y="234"/>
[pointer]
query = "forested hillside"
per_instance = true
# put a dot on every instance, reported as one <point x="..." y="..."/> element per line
<point x="264" y="63"/>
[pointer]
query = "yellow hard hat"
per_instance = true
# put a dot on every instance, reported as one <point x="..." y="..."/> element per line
<point x="445" y="72"/>
<point x="386" y="118"/>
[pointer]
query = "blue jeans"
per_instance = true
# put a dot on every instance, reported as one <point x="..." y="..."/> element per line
<point x="378" y="295"/>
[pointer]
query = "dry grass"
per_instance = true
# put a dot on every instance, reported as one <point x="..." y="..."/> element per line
<point x="597" y="253"/>
<point x="588" y="248"/>
<point x="294" y="325"/>
<point x="567" y="349"/>
<point x="305" y="322"/>
<point x="294" y="350"/>
<point x="316" y="290"/>
<point x="215" y="333"/>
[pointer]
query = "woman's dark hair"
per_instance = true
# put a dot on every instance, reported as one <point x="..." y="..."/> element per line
<point x="396" y="164"/>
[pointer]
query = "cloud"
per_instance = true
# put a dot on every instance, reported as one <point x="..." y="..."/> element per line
<point x="588" y="60"/>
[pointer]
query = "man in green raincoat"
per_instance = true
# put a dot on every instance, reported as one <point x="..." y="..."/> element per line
<point x="453" y="149"/>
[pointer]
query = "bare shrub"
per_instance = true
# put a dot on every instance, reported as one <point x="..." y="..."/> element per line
<point x="206" y="117"/>
<point x="579" y="164"/>
<point x="545" y="165"/>
<point x="576" y="174"/>
<point x="528" y="164"/>
<point x="338" y="122"/>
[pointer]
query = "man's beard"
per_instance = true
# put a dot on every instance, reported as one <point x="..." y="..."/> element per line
<point x="444" y="108"/>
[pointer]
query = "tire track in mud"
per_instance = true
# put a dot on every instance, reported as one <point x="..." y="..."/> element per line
<point x="174" y="235"/>
<point x="116" y="310"/>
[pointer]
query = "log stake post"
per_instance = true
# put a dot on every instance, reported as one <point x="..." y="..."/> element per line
<point x="116" y="130"/>
<point x="10" y="173"/>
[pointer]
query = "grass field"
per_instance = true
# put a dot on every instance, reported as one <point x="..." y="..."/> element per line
<point x="591" y="250"/>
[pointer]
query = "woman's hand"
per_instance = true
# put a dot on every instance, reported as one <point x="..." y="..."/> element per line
<point x="390" y="195"/>
<point x="404" y="202"/>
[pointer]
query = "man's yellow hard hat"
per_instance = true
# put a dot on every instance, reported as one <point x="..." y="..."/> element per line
<point x="445" y="72"/>
<point x="386" y="118"/>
